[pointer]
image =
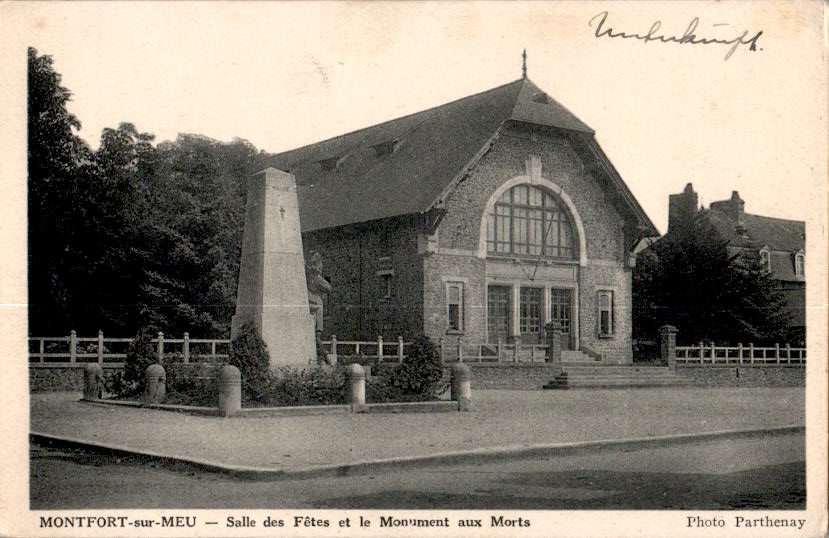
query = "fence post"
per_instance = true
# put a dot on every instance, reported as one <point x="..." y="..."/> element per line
<point x="213" y="351"/>
<point x="334" y="347"/>
<point x="460" y="350"/>
<point x="667" y="345"/>
<point x="701" y="353"/>
<point x="516" y="350"/>
<point x="480" y="352"/>
<point x="400" y="349"/>
<point x="788" y="353"/>
<point x="379" y="348"/>
<point x="41" y="350"/>
<point x="777" y="352"/>
<point x="498" y="349"/>
<point x="186" y="348"/>
<point x="751" y="352"/>
<point x="740" y="353"/>
<point x="532" y="353"/>
<point x="73" y="343"/>
<point x="100" y="346"/>
<point x="713" y="353"/>
<point x="440" y="345"/>
<point x="160" y="346"/>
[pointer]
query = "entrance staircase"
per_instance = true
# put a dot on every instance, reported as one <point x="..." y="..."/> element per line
<point x="584" y="371"/>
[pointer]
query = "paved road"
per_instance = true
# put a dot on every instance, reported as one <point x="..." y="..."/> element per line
<point x="728" y="474"/>
<point x="499" y="419"/>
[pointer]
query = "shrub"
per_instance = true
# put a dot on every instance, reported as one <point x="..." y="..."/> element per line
<point x="420" y="376"/>
<point x="307" y="386"/>
<point x="140" y="354"/>
<point x="249" y="353"/>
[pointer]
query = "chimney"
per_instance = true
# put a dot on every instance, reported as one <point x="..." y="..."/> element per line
<point x="734" y="208"/>
<point x="682" y="207"/>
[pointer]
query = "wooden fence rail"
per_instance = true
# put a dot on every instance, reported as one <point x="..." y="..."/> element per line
<point x="74" y="350"/>
<point x="711" y="354"/>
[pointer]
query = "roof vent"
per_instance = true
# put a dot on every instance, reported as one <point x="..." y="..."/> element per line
<point x="541" y="97"/>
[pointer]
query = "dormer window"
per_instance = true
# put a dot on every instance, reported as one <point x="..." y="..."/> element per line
<point x="765" y="259"/>
<point x="385" y="148"/>
<point x="799" y="264"/>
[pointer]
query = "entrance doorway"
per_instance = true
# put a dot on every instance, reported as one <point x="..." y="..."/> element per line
<point x="531" y="316"/>
<point x="561" y="308"/>
<point x="498" y="304"/>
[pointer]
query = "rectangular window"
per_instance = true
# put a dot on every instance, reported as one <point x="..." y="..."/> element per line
<point x="386" y="287"/>
<point x="454" y="306"/>
<point x="605" y="313"/>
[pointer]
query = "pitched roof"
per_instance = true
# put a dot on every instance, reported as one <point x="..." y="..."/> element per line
<point x="783" y="238"/>
<point x="777" y="234"/>
<point x="403" y="166"/>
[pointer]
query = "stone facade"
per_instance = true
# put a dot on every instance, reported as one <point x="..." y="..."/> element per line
<point x="358" y="258"/>
<point x="376" y="277"/>
<point x="404" y="213"/>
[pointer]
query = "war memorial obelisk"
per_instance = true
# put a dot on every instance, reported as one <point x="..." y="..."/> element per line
<point x="272" y="292"/>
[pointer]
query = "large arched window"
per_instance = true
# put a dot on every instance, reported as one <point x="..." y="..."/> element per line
<point x="529" y="220"/>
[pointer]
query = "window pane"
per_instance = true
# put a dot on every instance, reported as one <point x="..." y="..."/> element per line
<point x="604" y="322"/>
<point x="515" y="228"/>
<point x="454" y="295"/>
<point x="520" y="195"/>
<point x="454" y="317"/>
<point x="535" y="197"/>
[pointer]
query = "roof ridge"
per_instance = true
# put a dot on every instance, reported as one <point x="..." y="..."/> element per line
<point x="774" y="218"/>
<point x="398" y="118"/>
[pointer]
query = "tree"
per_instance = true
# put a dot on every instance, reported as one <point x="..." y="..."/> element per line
<point x="689" y="279"/>
<point x="58" y="180"/>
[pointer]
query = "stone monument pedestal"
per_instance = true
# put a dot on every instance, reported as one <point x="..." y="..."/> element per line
<point x="272" y="293"/>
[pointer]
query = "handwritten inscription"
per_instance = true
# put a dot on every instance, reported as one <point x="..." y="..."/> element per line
<point x="689" y="37"/>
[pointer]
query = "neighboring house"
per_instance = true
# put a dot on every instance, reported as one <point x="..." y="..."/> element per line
<point x="778" y="243"/>
<point x="482" y="219"/>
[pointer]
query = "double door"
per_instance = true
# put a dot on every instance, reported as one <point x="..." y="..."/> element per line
<point x="532" y="313"/>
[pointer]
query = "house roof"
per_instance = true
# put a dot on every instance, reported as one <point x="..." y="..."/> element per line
<point x="782" y="237"/>
<point x="403" y="166"/>
<point x="777" y="234"/>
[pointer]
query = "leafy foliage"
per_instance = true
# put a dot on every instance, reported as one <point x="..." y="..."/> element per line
<point x="249" y="353"/>
<point x="130" y="235"/>
<point x="140" y="354"/>
<point x="421" y="373"/>
<point x="690" y="280"/>
<point x="306" y="386"/>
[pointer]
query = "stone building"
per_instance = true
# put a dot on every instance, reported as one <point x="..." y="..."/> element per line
<point x="778" y="243"/>
<point x="482" y="219"/>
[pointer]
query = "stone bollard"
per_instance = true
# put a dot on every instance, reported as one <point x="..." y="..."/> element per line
<point x="462" y="386"/>
<point x="667" y="345"/>
<point x="155" y="384"/>
<point x="356" y="387"/>
<point x="93" y="382"/>
<point x="230" y="391"/>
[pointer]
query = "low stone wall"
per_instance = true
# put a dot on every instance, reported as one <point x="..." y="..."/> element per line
<point x="55" y="379"/>
<point x="512" y="376"/>
<point x="749" y="376"/>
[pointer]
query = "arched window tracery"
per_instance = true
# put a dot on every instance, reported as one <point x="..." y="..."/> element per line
<point x="527" y="220"/>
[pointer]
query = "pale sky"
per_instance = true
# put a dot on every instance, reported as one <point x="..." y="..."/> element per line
<point x="283" y="75"/>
